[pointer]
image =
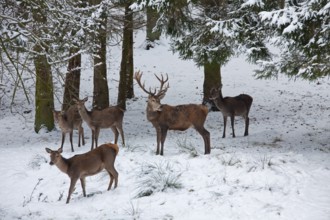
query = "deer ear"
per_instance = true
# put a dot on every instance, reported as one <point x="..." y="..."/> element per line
<point x="48" y="150"/>
<point x="161" y="96"/>
<point x="60" y="150"/>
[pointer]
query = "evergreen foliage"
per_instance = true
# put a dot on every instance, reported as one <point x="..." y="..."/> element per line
<point x="214" y="31"/>
<point x="302" y="32"/>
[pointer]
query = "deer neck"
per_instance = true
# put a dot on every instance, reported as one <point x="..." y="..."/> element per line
<point x="63" y="165"/>
<point x="219" y="102"/>
<point x="152" y="114"/>
<point x="63" y="122"/>
<point x="85" y="115"/>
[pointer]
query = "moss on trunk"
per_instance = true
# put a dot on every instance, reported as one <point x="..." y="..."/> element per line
<point x="44" y="100"/>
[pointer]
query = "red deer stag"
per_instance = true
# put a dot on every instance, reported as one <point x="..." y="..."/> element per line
<point x="68" y="121"/>
<point x="180" y="117"/>
<point x="87" y="164"/>
<point x="110" y="117"/>
<point x="232" y="106"/>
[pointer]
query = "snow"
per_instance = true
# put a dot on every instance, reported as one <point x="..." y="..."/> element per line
<point x="280" y="171"/>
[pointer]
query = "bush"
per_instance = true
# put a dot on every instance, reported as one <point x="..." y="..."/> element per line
<point x="157" y="177"/>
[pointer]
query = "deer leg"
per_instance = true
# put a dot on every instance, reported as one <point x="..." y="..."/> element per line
<point x="71" y="134"/>
<point x="97" y="133"/>
<point x="247" y="120"/>
<point x="158" y="139"/>
<point x="93" y="138"/>
<point x="71" y="189"/>
<point x="82" y="135"/>
<point x="115" y="132"/>
<point x="206" y="137"/>
<point x="83" y="184"/>
<point x="111" y="181"/>
<point x="79" y="135"/>
<point x="63" y="138"/>
<point x="224" y="126"/>
<point x="163" y="137"/>
<point x="113" y="176"/>
<point x="121" y="131"/>
<point x="232" y="118"/>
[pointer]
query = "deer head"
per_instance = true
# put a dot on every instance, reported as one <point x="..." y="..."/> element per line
<point x="154" y="97"/>
<point x="80" y="103"/>
<point x="55" y="155"/>
<point x="215" y="93"/>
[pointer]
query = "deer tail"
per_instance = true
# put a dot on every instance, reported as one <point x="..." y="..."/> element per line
<point x="114" y="146"/>
<point x="205" y="109"/>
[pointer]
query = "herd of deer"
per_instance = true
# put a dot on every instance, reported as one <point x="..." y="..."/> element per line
<point x="163" y="117"/>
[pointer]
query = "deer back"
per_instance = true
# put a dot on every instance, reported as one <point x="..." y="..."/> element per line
<point x="246" y="99"/>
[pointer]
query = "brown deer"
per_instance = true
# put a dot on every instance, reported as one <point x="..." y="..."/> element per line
<point x="87" y="164"/>
<point x="110" y="117"/>
<point x="68" y="121"/>
<point x="166" y="117"/>
<point x="232" y="106"/>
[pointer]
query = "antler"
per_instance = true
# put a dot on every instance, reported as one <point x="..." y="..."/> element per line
<point x="162" y="90"/>
<point x="137" y="77"/>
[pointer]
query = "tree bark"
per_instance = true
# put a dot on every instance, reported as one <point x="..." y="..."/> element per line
<point x="125" y="90"/>
<point x="44" y="100"/>
<point x="72" y="80"/>
<point x="152" y="36"/>
<point x="212" y="79"/>
<point x="101" y="89"/>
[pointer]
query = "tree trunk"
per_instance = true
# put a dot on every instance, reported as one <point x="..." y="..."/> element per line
<point x="125" y="90"/>
<point x="152" y="18"/>
<point x="72" y="80"/>
<point x="44" y="100"/>
<point x="101" y="89"/>
<point x="212" y="79"/>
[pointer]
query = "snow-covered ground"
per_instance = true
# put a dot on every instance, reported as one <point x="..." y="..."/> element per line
<point x="280" y="171"/>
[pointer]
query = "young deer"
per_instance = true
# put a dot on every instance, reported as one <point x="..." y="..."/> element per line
<point x="87" y="164"/>
<point x="110" y="117"/>
<point x="180" y="117"/>
<point x="232" y="106"/>
<point x="68" y="121"/>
